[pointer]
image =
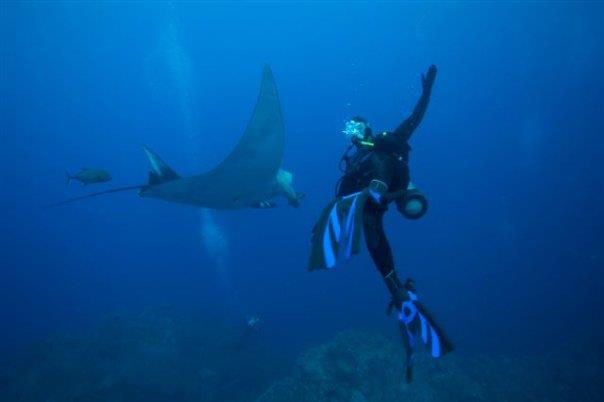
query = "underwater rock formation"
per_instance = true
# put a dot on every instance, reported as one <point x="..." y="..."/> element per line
<point x="150" y="357"/>
<point x="166" y="357"/>
<point x="358" y="367"/>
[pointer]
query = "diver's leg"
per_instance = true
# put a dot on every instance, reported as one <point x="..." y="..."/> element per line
<point x="381" y="253"/>
<point x="377" y="243"/>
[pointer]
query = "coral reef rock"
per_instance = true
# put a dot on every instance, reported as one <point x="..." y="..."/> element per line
<point x="359" y="367"/>
<point x="151" y="357"/>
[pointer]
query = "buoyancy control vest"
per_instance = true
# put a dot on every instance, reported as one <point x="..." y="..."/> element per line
<point x="356" y="164"/>
<point x="358" y="170"/>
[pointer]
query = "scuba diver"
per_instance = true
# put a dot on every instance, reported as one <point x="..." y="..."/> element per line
<point x="375" y="174"/>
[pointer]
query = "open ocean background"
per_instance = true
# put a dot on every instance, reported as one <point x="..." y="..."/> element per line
<point x="510" y="256"/>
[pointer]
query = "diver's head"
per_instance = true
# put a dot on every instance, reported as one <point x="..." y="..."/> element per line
<point x="357" y="129"/>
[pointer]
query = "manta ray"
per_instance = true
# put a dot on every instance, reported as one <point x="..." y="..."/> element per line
<point x="249" y="177"/>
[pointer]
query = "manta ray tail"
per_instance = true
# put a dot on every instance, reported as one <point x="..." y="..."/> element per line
<point x="160" y="171"/>
<point x="83" y="197"/>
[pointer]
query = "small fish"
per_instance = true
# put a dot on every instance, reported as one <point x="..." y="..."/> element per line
<point x="89" y="176"/>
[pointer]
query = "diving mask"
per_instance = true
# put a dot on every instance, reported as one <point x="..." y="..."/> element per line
<point x="354" y="129"/>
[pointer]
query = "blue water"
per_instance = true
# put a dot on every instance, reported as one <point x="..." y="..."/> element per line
<point x="510" y="256"/>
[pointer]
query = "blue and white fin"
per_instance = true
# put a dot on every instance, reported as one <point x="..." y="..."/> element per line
<point x="421" y="326"/>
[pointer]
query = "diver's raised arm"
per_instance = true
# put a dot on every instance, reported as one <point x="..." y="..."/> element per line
<point x="406" y="128"/>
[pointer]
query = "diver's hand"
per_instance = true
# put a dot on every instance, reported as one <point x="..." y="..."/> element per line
<point x="429" y="77"/>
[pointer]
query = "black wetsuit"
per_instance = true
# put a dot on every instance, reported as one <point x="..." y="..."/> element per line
<point x="384" y="168"/>
<point x="387" y="161"/>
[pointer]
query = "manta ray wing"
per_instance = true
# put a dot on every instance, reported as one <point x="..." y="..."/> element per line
<point x="248" y="174"/>
<point x="246" y="177"/>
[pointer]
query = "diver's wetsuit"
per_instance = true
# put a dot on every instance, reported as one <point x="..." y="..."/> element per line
<point x="375" y="175"/>
<point x="387" y="162"/>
